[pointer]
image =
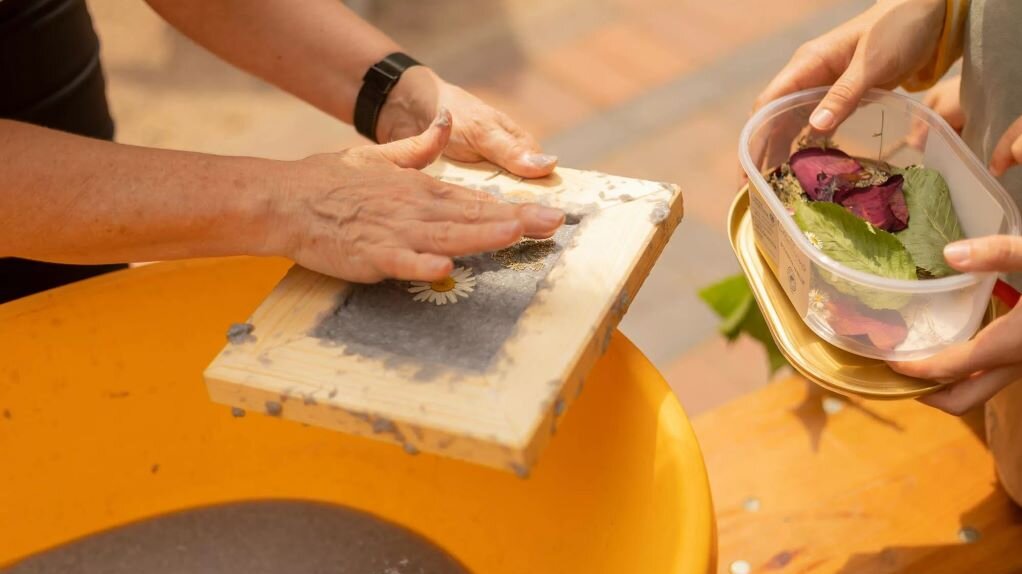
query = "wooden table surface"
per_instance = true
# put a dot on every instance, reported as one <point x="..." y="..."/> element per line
<point x="804" y="482"/>
<point x="104" y="419"/>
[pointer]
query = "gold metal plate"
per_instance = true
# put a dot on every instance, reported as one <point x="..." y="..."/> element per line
<point x="816" y="359"/>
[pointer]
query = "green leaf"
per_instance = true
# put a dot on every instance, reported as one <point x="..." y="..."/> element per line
<point x="732" y="300"/>
<point x="755" y="326"/>
<point x="932" y="222"/>
<point x="854" y="243"/>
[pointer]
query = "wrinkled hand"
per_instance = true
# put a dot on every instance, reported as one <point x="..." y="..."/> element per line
<point x="480" y="132"/>
<point x="945" y="100"/>
<point x="367" y="213"/>
<point x="881" y="47"/>
<point x="977" y="369"/>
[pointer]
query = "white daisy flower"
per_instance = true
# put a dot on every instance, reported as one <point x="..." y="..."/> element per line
<point x="814" y="240"/>
<point x="447" y="290"/>
<point x="818" y="301"/>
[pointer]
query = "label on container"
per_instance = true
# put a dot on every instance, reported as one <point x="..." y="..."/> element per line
<point x="793" y="273"/>
<point x="789" y="264"/>
<point x="765" y="226"/>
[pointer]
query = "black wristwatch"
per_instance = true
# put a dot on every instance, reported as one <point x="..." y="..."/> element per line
<point x="379" y="80"/>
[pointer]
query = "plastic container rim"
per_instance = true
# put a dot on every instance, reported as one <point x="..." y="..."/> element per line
<point x="944" y="284"/>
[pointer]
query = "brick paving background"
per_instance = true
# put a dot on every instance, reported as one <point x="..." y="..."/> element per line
<point x="655" y="89"/>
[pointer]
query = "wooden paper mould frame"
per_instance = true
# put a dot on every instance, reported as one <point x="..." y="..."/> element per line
<point x="504" y="417"/>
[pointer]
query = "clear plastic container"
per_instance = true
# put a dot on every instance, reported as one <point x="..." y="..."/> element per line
<point x="873" y="316"/>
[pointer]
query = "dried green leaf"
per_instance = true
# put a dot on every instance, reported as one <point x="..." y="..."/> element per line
<point x="858" y="245"/>
<point x="854" y="243"/>
<point x="932" y="220"/>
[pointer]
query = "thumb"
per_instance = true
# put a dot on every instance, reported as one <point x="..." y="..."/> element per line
<point x="840" y="101"/>
<point x="419" y="151"/>
<point x="999" y="253"/>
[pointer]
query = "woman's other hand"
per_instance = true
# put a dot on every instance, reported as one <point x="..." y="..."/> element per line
<point x="480" y="132"/>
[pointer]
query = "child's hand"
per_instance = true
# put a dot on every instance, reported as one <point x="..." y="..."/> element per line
<point x="881" y="47"/>
<point x="945" y="100"/>
<point x="977" y="369"/>
<point x="1008" y="151"/>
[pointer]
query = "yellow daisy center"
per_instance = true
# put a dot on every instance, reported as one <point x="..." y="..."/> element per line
<point x="442" y="285"/>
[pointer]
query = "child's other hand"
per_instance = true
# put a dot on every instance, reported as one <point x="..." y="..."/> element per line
<point x="1008" y="151"/>
<point x="977" y="369"/>
<point x="945" y="100"/>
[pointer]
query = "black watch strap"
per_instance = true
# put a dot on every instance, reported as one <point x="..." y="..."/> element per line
<point x="376" y="84"/>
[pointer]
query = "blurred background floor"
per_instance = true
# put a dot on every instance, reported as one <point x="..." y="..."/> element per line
<point x="654" y="89"/>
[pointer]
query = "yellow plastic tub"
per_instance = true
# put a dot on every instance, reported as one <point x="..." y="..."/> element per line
<point x="104" y="420"/>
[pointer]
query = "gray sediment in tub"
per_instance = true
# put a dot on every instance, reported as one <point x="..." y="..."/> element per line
<point x="277" y="536"/>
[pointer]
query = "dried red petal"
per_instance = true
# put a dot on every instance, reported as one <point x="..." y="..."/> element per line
<point x="881" y="205"/>
<point x="815" y="168"/>
<point x="1006" y="294"/>
<point x="885" y="328"/>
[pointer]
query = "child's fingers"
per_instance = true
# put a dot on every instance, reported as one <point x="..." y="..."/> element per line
<point x="959" y="398"/>
<point x="1008" y="151"/>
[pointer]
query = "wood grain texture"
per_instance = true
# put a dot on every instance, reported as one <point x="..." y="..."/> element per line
<point x="854" y="486"/>
<point x="504" y="416"/>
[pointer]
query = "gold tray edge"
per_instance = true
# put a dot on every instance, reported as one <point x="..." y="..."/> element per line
<point x="736" y="215"/>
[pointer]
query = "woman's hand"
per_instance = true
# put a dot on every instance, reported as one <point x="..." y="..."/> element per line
<point x="480" y="132"/>
<point x="977" y="369"/>
<point x="881" y="47"/>
<point x="367" y="213"/>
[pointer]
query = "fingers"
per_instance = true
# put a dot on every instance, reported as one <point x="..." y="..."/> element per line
<point x="996" y="253"/>
<point x="816" y="63"/>
<point x="444" y="190"/>
<point x="419" y="151"/>
<point x="944" y="100"/>
<point x="403" y="263"/>
<point x="501" y="141"/>
<point x="841" y="100"/>
<point x="537" y="221"/>
<point x="1008" y="151"/>
<point x="948" y="104"/>
<point x="959" y="398"/>
<point x="997" y="345"/>
<point x="797" y="74"/>
<point x="446" y="238"/>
